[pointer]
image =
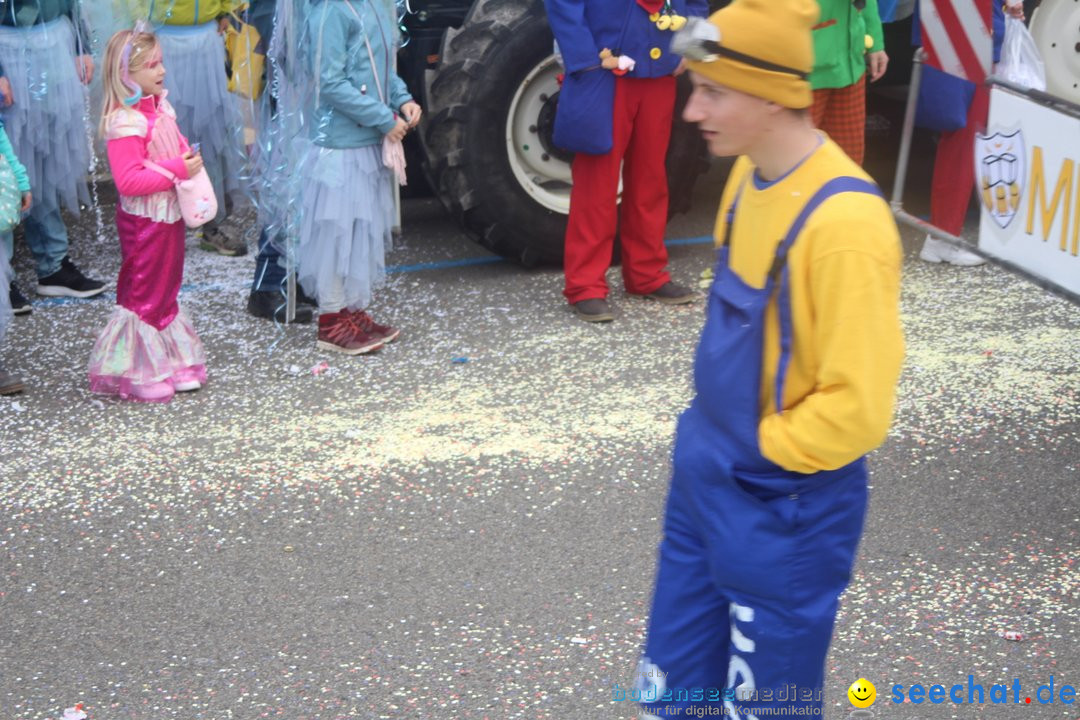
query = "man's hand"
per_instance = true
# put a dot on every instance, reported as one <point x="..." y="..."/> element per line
<point x="222" y="24"/>
<point x="878" y="62"/>
<point x="400" y="128"/>
<point x="84" y="66"/>
<point x="412" y="113"/>
<point x="5" y="92"/>
<point x="1016" y="11"/>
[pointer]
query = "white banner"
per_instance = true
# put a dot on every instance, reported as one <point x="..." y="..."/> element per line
<point x="1027" y="174"/>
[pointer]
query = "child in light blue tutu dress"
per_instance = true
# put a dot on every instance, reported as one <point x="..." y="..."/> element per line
<point x="15" y="199"/>
<point x="362" y="112"/>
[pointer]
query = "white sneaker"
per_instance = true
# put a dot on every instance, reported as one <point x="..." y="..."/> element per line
<point x="938" y="251"/>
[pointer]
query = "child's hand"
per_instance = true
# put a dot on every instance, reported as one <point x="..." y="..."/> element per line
<point x="412" y="113"/>
<point x="5" y="91"/>
<point x="193" y="163"/>
<point x="400" y="128"/>
<point x="27" y="200"/>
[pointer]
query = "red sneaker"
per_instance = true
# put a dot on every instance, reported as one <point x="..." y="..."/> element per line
<point x="387" y="333"/>
<point x="343" y="332"/>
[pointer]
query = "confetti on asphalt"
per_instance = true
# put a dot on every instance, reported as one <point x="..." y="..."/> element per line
<point x="399" y="539"/>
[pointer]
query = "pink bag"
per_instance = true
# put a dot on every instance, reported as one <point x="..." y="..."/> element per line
<point x="198" y="204"/>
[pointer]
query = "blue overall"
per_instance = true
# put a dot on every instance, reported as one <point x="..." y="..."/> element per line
<point x="753" y="557"/>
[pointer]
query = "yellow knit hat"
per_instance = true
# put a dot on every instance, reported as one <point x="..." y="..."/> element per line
<point x="762" y="48"/>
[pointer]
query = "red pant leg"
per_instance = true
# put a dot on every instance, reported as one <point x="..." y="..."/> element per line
<point x="954" y="167"/>
<point x="844" y="118"/>
<point x="820" y="106"/>
<point x="590" y="229"/>
<point x="645" y="188"/>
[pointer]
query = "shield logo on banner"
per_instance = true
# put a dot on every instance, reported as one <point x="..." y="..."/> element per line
<point x="1000" y="162"/>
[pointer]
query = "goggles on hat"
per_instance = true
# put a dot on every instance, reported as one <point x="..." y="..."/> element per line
<point x="699" y="41"/>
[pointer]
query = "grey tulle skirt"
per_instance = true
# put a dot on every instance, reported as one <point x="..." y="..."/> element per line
<point x="48" y="122"/>
<point x="207" y="113"/>
<point x="347" y="213"/>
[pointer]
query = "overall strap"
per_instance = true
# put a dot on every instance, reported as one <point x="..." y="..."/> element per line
<point x="779" y="268"/>
<point x="730" y="218"/>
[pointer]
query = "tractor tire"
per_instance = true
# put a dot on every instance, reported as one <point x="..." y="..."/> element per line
<point x="487" y="137"/>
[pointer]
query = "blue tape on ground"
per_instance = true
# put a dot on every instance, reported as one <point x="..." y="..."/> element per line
<point x="392" y="269"/>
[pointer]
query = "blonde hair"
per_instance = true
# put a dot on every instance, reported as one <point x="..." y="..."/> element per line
<point x="144" y="48"/>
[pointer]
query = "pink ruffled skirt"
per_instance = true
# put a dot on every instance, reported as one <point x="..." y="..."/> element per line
<point x="130" y="353"/>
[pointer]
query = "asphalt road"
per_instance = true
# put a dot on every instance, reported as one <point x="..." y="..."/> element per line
<point x="464" y="525"/>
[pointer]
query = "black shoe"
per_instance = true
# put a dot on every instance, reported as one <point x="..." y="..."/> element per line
<point x="594" y="310"/>
<point x="303" y="298"/>
<point x="69" y="282"/>
<point x="672" y="294"/>
<point x="10" y="384"/>
<point x="270" y="305"/>
<point x="19" y="304"/>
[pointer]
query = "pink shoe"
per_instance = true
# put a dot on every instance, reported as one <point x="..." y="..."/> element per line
<point x="153" y="392"/>
<point x="186" y="381"/>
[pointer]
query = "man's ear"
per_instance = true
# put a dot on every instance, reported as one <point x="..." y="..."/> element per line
<point x="773" y="108"/>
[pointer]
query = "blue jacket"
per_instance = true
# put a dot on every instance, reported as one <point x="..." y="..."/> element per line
<point x="348" y="112"/>
<point x="585" y="27"/>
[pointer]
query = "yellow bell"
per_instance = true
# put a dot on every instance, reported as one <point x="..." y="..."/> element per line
<point x="677" y="23"/>
<point x="654" y="17"/>
<point x="868" y="41"/>
<point x="664" y="22"/>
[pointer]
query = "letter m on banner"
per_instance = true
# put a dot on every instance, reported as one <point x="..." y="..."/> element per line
<point x="956" y="36"/>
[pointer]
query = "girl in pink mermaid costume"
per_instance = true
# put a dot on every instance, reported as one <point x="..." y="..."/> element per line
<point x="149" y="350"/>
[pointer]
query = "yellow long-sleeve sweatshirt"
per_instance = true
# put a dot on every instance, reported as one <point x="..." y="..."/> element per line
<point x="847" y="345"/>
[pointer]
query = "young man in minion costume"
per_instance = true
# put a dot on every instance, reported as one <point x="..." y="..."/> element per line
<point x="615" y="112"/>
<point x="795" y="375"/>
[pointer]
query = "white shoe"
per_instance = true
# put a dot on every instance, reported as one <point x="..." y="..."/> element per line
<point x="938" y="251"/>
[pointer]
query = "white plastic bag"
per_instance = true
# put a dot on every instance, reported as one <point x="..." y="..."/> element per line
<point x="1020" y="59"/>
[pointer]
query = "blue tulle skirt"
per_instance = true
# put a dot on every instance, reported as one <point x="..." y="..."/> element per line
<point x="48" y="124"/>
<point x="206" y="111"/>
<point x="347" y="214"/>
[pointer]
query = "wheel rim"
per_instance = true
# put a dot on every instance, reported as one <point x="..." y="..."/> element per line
<point x="536" y="163"/>
<point x="1054" y="28"/>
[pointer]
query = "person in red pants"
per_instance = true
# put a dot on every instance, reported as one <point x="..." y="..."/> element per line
<point x="954" y="165"/>
<point x="848" y="42"/>
<point x="619" y="52"/>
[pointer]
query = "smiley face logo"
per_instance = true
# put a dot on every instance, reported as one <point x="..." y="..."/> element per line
<point x="862" y="693"/>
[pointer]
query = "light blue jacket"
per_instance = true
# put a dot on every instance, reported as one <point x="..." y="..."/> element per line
<point x="348" y="111"/>
<point x="17" y="167"/>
